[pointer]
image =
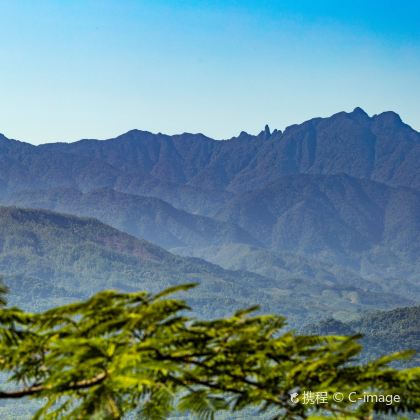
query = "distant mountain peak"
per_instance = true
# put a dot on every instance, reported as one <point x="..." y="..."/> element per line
<point x="266" y="133"/>
<point x="360" y="111"/>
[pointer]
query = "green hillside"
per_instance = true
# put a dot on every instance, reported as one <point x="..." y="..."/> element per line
<point x="383" y="331"/>
<point x="144" y="217"/>
<point x="50" y="258"/>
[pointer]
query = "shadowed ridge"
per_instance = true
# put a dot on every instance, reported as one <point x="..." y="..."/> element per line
<point x="358" y="114"/>
<point x="390" y="121"/>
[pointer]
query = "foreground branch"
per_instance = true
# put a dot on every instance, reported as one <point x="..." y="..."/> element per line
<point x="36" y="389"/>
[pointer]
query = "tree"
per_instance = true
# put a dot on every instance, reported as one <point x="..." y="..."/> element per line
<point x="117" y="353"/>
<point x="3" y="291"/>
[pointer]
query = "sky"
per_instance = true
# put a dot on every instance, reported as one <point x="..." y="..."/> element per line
<point x="72" y="69"/>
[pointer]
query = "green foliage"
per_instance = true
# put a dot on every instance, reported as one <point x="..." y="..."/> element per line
<point x="116" y="354"/>
<point x="3" y="291"/>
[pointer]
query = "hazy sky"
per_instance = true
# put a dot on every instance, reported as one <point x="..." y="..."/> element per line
<point x="73" y="69"/>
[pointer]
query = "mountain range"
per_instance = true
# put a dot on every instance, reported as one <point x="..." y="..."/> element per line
<point x="380" y="148"/>
<point x="322" y="218"/>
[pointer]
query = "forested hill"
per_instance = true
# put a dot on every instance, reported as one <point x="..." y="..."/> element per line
<point x="383" y="331"/>
<point x="48" y="258"/>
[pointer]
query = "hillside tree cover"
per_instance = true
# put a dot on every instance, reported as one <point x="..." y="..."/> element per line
<point x="383" y="332"/>
<point x="119" y="353"/>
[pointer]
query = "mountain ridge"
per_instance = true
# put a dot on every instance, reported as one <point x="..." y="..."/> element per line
<point x="380" y="148"/>
<point x="145" y="217"/>
<point x="357" y="111"/>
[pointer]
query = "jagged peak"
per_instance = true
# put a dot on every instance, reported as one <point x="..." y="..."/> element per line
<point x="266" y="133"/>
<point x="360" y="112"/>
<point x="359" y="115"/>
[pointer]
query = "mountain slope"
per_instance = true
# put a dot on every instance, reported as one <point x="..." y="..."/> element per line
<point x="49" y="258"/>
<point x="144" y="217"/>
<point x="366" y="231"/>
<point x="360" y="224"/>
<point x="381" y="148"/>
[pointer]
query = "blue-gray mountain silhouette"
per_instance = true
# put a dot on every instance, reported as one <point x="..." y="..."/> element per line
<point x="340" y="195"/>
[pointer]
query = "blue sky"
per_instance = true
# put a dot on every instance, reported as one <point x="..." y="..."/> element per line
<point x="73" y="69"/>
